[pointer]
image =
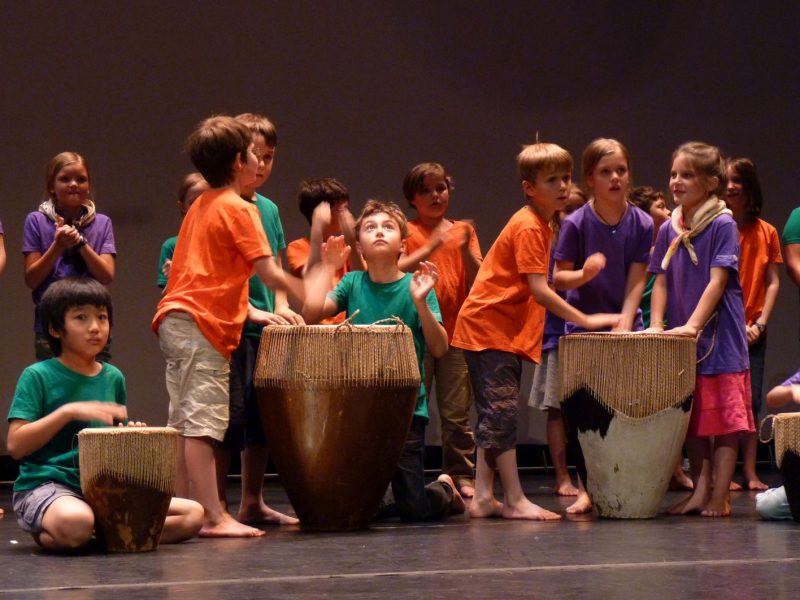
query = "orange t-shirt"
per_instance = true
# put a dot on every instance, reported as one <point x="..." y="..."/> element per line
<point x="297" y="253"/>
<point x="500" y="313"/>
<point x="220" y="238"/>
<point x="451" y="288"/>
<point x="759" y="246"/>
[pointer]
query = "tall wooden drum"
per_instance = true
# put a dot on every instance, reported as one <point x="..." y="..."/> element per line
<point x="336" y="403"/>
<point x="786" y="428"/>
<point x="128" y="478"/>
<point x="627" y="399"/>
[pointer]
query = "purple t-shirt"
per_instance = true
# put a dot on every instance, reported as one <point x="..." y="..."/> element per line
<point x="628" y="242"/>
<point x="38" y="235"/>
<point x="793" y="380"/>
<point x="722" y="347"/>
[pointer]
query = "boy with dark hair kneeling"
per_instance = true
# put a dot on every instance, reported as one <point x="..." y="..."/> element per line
<point x="54" y="400"/>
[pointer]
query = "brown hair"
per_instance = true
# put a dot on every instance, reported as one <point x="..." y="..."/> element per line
<point x="542" y="156"/>
<point x="414" y="181"/>
<point x="746" y="170"/>
<point x="390" y="208"/>
<point x="314" y="192"/>
<point x="260" y="125"/>
<point x="706" y="160"/>
<point x="188" y="182"/>
<point x="58" y="162"/>
<point x="214" y="145"/>
<point x="644" y="196"/>
<point x="598" y="149"/>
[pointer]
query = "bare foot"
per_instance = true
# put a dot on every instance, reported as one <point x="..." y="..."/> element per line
<point x="457" y="506"/>
<point x="582" y="505"/>
<point x="228" y="527"/>
<point x="481" y="509"/>
<point x="734" y="487"/>
<point x="565" y="488"/>
<point x="467" y="491"/>
<point x="525" y="509"/>
<point x="717" y="510"/>
<point x="2" y="512"/>
<point x="692" y="504"/>
<point x="681" y="482"/>
<point x="756" y="485"/>
<point x="265" y="514"/>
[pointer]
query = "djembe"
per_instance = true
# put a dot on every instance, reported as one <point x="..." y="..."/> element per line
<point x="336" y="404"/>
<point x="786" y="429"/>
<point x="128" y="478"/>
<point x="627" y="399"/>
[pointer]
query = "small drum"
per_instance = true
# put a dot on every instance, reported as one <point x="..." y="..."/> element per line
<point x="336" y="404"/>
<point x="627" y="398"/>
<point x="128" y="478"/>
<point x="786" y="428"/>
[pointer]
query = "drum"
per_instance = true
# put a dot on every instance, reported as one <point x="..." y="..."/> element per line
<point x="627" y="398"/>
<point x="336" y="403"/>
<point x="786" y="429"/>
<point x="128" y="478"/>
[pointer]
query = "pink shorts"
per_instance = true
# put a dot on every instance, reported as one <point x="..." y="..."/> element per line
<point x="722" y="405"/>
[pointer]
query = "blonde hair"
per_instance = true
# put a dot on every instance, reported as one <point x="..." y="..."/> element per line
<point x="707" y="162"/>
<point x="55" y="164"/>
<point x="542" y="156"/>
<point x="373" y="207"/>
<point x="598" y="149"/>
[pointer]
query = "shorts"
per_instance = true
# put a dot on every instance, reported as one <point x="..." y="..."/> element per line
<point x="30" y="505"/>
<point x="197" y="379"/>
<point x="495" y="377"/>
<point x="545" y="393"/>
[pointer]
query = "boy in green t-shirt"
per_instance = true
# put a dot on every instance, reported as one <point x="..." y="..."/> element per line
<point x="54" y="400"/>
<point x="383" y="291"/>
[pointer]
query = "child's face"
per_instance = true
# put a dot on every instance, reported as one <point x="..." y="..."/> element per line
<point x="247" y="168"/>
<point x="550" y="190"/>
<point x="659" y="212"/>
<point x="85" y="333"/>
<point x="192" y="194"/>
<point x="433" y="199"/>
<point x="735" y="196"/>
<point x="70" y="186"/>
<point x="573" y="202"/>
<point x="687" y="187"/>
<point x="380" y="236"/>
<point x="610" y="178"/>
<point x="266" y="158"/>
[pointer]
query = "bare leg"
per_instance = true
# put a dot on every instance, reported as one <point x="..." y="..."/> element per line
<point x="183" y="522"/>
<point x="725" y="449"/>
<point x="583" y="503"/>
<point x="67" y="525"/>
<point x="222" y="459"/>
<point x="203" y="480"/>
<point x="749" y="445"/>
<point x="680" y="481"/>
<point x="484" y="504"/>
<point x="557" y="442"/>
<point x="253" y="509"/>
<point x="516" y="505"/>
<point x="699" y="450"/>
<point x="182" y="477"/>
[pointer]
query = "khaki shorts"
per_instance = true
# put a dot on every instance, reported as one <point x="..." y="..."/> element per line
<point x="197" y="379"/>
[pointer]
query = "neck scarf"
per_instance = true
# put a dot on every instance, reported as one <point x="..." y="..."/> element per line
<point x="703" y="217"/>
<point x="48" y="208"/>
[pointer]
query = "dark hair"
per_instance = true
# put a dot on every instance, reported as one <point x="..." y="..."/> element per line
<point x="746" y="170"/>
<point x="260" y="125"/>
<point x="214" y="145"/>
<point x="644" y="196"/>
<point x="65" y="294"/>
<point x="314" y="192"/>
<point x="414" y="181"/>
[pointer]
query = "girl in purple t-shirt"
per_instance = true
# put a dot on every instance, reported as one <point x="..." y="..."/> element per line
<point x="65" y="236"/>
<point x="697" y="288"/>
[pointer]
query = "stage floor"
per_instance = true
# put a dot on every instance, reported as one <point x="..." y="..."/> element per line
<point x="666" y="557"/>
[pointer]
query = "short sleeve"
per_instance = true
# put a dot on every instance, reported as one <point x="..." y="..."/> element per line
<point x="341" y="293"/>
<point x="660" y="249"/>
<point x="28" y="395"/>
<point x="532" y="251"/>
<point x="167" y="250"/>
<point x="107" y="244"/>
<point x="774" y="249"/>
<point x="568" y="242"/>
<point x="725" y="253"/>
<point x="32" y="235"/>
<point x="791" y="231"/>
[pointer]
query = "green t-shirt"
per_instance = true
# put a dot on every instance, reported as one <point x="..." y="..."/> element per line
<point x="378" y="301"/>
<point x="44" y="387"/>
<point x="260" y="295"/>
<point x="167" y="250"/>
<point x="791" y="231"/>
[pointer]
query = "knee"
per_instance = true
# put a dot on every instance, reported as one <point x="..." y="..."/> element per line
<point x="70" y="529"/>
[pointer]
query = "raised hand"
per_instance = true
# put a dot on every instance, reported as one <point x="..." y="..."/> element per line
<point x="335" y="252"/>
<point x="94" y="410"/>
<point x="423" y="280"/>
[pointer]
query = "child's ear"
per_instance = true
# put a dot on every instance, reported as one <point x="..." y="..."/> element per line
<point x="53" y="332"/>
<point x="528" y="188"/>
<point x="712" y="183"/>
<point x="237" y="162"/>
<point x="403" y="247"/>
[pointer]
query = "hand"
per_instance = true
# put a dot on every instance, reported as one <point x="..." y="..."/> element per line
<point x="593" y="265"/>
<point x="94" y="410"/>
<point x="687" y="330"/>
<point x="461" y="232"/>
<point x="602" y="321"/>
<point x="621" y="327"/>
<point x="133" y="424"/>
<point x="291" y="317"/>
<point x="335" y="252"/>
<point x="262" y="317"/>
<point x="654" y="329"/>
<point x="66" y="235"/>
<point x="753" y="334"/>
<point x="423" y="280"/>
<point x="796" y="393"/>
<point x="167" y="267"/>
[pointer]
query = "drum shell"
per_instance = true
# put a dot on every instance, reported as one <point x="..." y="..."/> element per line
<point x="786" y="428"/>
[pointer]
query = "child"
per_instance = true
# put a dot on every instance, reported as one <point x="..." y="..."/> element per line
<point x="759" y="276"/>
<point x="697" y="288"/>
<point x="501" y="323"/>
<point x="382" y="291"/>
<point x="545" y="387"/>
<point x="54" y="400"/>
<point x="453" y="247"/>
<point x="603" y="249"/>
<point x="201" y="314"/>
<point x="773" y="505"/>
<point x="192" y="186"/>
<point x="66" y="236"/>
<point x="245" y="432"/>
<point x="325" y="203"/>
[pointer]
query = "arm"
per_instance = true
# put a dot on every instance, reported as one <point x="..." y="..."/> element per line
<point x="658" y="303"/>
<point x="782" y="394"/>
<point x="472" y="260"/>
<point x="317" y="281"/>
<point x="409" y="263"/>
<point x="555" y="304"/>
<point x="282" y="309"/>
<point x="706" y="305"/>
<point x="38" y="266"/>
<point x="320" y="219"/>
<point x="101" y="266"/>
<point x="421" y="285"/>
<point x="26" y="437"/>
<point x="772" y="279"/>
<point x="634" y="287"/>
<point x="791" y="254"/>
<point x="277" y="279"/>
<point x="566" y="277"/>
<point x="2" y="254"/>
<point x="347" y="225"/>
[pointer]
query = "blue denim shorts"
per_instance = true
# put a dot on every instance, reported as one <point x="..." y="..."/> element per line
<point x="30" y="505"/>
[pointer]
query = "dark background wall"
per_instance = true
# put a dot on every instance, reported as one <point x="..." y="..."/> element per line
<point x="362" y="91"/>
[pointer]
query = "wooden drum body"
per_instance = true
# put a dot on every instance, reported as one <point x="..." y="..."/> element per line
<point x="786" y="428"/>
<point x="128" y="478"/>
<point x="336" y="404"/>
<point x="627" y="398"/>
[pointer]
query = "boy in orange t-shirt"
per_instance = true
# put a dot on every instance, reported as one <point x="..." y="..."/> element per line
<point x="501" y="323"/>
<point x="200" y="317"/>
<point x="453" y="247"/>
